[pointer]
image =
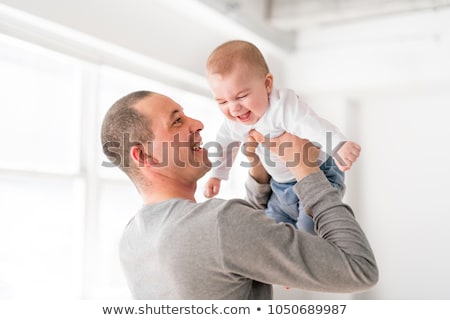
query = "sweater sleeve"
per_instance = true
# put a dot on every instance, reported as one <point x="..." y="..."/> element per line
<point x="339" y="259"/>
<point x="256" y="193"/>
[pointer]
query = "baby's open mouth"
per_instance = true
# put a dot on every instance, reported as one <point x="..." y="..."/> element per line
<point x="245" y="116"/>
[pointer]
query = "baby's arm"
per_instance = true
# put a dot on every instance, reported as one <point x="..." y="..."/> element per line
<point x="212" y="187"/>
<point x="346" y="155"/>
<point x="227" y="148"/>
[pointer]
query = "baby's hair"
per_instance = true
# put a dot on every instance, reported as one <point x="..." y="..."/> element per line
<point x="225" y="56"/>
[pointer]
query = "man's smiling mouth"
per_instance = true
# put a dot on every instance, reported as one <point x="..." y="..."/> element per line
<point x="196" y="146"/>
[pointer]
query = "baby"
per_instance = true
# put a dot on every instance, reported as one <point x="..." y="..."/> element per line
<point x="242" y="85"/>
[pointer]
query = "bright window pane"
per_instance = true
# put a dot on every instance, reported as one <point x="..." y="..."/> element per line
<point x="40" y="232"/>
<point x="40" y="111"/>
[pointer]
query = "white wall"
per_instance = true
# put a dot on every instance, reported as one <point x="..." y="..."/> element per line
<point x="390" y="78"/>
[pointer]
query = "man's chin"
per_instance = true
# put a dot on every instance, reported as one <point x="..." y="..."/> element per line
<point x="204" y="165"/>
<point x="205" y="160"/>
<point x="207" y="164"/>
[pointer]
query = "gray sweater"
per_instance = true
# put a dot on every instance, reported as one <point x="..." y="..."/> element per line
<point x="227" y="249"/>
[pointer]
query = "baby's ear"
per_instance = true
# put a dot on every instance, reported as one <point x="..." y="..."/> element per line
<point x="269" y="82"/>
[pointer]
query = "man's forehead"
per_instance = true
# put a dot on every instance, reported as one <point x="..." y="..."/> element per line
<point x="157" y="105"/>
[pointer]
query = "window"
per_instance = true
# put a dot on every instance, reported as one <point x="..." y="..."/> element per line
<point x="62" y="211"/>
<point x="40" y="122"/>
<point x="40" y="183"/>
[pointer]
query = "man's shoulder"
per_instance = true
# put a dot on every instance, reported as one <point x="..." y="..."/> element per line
<point x="223" y="205"/>
<point x="236" y="214"/>
<point x="220" y="210"/>
<point x="228" y="209"/>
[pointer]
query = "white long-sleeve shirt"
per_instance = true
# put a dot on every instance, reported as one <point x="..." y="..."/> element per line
<point x="286" y="113"/>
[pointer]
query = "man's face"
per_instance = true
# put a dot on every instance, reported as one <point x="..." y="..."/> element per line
<point x="176" y="149"/>
<point x="242" y="95"/>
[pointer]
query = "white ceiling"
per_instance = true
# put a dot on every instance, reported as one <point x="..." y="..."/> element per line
<point x="299" y="14"/>
<point x="182" y="33"/>
<point x="280" y="21"/>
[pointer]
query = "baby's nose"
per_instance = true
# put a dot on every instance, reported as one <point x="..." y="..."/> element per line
<point x="235" y="107"/>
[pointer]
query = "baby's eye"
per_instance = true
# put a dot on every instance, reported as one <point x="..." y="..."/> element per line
<point x="242" y="97"/>
<point x="221" y="102"/>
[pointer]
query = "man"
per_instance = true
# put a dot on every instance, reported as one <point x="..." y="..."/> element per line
<point x="176" y="248"/>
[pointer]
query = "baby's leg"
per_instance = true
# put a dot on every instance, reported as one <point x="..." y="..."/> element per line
<point x="281" y="203"/>
<point x="284" y="206"/>
<point x="285" y="201"/>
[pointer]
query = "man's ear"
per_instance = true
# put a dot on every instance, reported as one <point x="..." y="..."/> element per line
<point x="141" y="158"/>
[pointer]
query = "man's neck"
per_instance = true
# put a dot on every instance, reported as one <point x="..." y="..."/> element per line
<point x="163" y="189"/>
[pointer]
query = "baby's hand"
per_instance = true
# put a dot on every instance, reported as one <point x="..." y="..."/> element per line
<point x="347" y="155"/>
<point x="212" y="187"/>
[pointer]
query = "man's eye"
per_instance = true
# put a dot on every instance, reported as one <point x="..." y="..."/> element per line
<point x="177" y="121"/>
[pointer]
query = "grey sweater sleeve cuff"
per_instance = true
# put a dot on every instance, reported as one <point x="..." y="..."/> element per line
<point x="257" y="194"/>
<point x="315" y="188"/>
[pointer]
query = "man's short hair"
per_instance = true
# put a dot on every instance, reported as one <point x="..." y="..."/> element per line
<point x="123" y="127"/>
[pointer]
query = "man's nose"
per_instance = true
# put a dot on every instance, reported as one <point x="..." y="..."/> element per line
<point x="195" y="125"/>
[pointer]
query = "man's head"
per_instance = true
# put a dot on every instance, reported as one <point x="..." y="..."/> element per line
<point x="124" y="127"/>
<point x="147" y="134"/>
<point x="240" y="81"/>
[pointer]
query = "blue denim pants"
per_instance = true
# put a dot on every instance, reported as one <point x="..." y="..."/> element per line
<point x="284" y="205"/>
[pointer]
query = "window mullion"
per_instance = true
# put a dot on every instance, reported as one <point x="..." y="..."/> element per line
<point x="89" y="160"/>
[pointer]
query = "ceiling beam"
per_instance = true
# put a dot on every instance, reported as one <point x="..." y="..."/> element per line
<point x="233" y="11"/>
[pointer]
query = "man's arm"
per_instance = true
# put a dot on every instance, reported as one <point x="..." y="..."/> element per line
<point x="258" y="194"/>
<point x="339" y="259"/>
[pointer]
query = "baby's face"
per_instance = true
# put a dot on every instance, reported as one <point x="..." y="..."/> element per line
<point x="242" y="95"/>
